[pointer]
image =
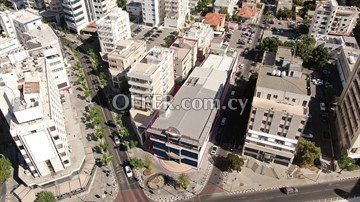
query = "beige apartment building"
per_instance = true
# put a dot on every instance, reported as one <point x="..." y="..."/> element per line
<point x="126" y="53"/>
<point x="176" y="12"/>
<point x="330" y="18"/>
<point x="152" y="78"/>
<point x="185" y="55"/>
<point x="279" y="112"/>
<point x="348" y="115"/>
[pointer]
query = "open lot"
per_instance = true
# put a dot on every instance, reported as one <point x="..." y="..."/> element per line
<point x="152" y="36"/>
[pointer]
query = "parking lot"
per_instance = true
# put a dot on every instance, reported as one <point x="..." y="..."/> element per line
<point x="152" y="36"/>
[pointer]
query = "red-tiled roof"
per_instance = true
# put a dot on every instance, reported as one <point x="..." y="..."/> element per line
<point x="214" y="19"/>
<point x="246" y="12"/>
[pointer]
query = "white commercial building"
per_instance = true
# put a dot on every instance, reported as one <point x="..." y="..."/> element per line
<point x="77" y="14"/>
<point x="279" y="112"/>
<point x="103" y="7"/>
<point x="112" y="28"/>
<point x="176" y="12"/>
<point x="8" y="45"/>
<point x="330" y="18"/>
<point x="153" y="12"/>
<point x="125" y="54"/>
<point x="203" y="34"/>
<point x="152" y="78"/>
<point x="229" y="5"/>
<point x="32" y="107"/>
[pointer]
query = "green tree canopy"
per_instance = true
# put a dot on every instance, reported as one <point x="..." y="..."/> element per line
<point x="5" y="169"/>
<point x="347" y="163"/>
<point x="307" y="152"/>
<point x="184" y="180"/>
<point x="321" y="56"/>
<point x="45" y="196"/>
<point x="270" y="44"/>
<point x="148" y="162"/>
<point x="304" y="47"/>
<point x="121" y="4"/>
<point x="106" y="158"/>
<point x="285" y="13"/>
<point x="235" y="161"/>
<point x="136" y="163"/>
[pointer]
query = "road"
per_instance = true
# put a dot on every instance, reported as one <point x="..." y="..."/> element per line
<point x="129" y="188"/>
<point x="341" y="189"/>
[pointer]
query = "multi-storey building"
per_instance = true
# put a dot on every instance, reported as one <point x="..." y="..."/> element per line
<point x="77" y="14"/>
<point x="176" y="12"/>
<point x="182" y="133"/>
<point x="35" y="4"/>
<point x="344" y="49"/>
<point x="330" y="18"/>
<point x="348" y="115"/>
<point x="153" y="12"/>
<point x="8" y="45"/>
<point x="112" y="28"/>
<point x="185" y="55"/>
<point x="203" y="34"/>
<point x="152" y="78"/>
<point x="103" y="7"/>
<point x="279" y="112"/>
<point x="35" y="35"/>
<point x="135" y="10"/>
<point x="229" y="5"/>
<point x="125" y="54"/>
<point x="33" y="110"/>
<point x="7" y="24"/>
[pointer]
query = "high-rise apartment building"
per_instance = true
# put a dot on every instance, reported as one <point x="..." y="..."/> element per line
<point x="176" y="12"/>
<point x="152" y="78"/>
<point x="77" y="14"/>
<point x="203" y="34"/>
<point x="103" y="7"/>
<point x="348" y="115"/>
<point x="125" y="54"/>
<point x="330" y="18"/>
<point x="32" y="107"/>
<point x="153" y="12"/>
<point x="112" y="28"/>
<point x="279" y="111"/>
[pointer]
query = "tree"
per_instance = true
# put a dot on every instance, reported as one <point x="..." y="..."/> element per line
<point x="235" y="161"/>
<point x="224" y="10"/>
<point x="347" y="163"/>
<point x="93" y="112"/>
<point x="184" y="180"/>
<point x="45" y="196"/>
<point x="136" y="163"/>
<point x="87" y="93"/>
<point x="121" y="4"/>
<point x="289" y="44"/>
<point x="133" y="143"/>
<point x="148" y="163"/>
<point x="270" y="44"/>
<point x="118" y="119"/>
<point x="304" y="47"/>
<point x="100" y="133"/>
<point x="302" y="29"/>
<point x="106" y="158"/>
<point x="5" y="169"/>
<point x="321" y="56"/>
<point x="76" y="53"/>
<point x="124" y="132"/>
<point x="285" y="13"/>
<point x="307" y="152"/>
<point x="104" y="146"/>
<point x="103" y="81"/>
<point x="299" y="2"/>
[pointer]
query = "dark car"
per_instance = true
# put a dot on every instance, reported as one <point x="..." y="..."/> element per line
<point x="289" y="190"/>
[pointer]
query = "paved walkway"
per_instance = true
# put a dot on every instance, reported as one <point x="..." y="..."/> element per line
<point x="198" y="177"/>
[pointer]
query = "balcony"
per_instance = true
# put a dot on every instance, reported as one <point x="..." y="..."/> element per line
<point x="145" y="84"/>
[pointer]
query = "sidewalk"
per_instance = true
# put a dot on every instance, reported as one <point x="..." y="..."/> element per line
<point x="198" y="177"/>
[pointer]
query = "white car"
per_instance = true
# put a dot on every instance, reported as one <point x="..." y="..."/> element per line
<point x="242" y="65"/>
<point x="322" y="106"/>
<point x="223" y="121"/>
<point x="309" y="136"/>
<point x="128" y="171"/>
<point x="116" y="140"/>
<point x="214" y="149"/>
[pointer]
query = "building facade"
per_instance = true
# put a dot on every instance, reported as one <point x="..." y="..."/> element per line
<point x="151" y="79"/>
<point x="126" y="53"/>
<point x="330" y="18"/>
<point x="112" y="28"/>
<point x="348" y="115"/>
<point x="153" y="12"/>
<point x="76" y="14"/>
<point x="103" y="7"/>
<point x="176" y="12"/>
<point x="203" y="34"/>
<point x="279" y="113"/>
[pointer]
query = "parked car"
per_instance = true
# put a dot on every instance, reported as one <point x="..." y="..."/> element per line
<point x="223" y="121"/>
<point x="214" y="149"/>
<point x="116" y="140"/>
<point x="290" y="190"/>
<point x="128" y="172"/>
<point x="308" y="136"/>
<point x="322" y="106"/>
<point x="242" y="65"/>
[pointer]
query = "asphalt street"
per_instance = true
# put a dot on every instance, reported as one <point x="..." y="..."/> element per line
<point x="340" y="190"/>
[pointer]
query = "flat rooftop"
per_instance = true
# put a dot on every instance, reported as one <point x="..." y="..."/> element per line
<point x="182" y="47"/>
<point x="43" y="35"/>
<point x="285" y="83"/>
<point x="222" y="63"/>
<point x="26" y="16"/>
<point x="284" y="52"/>
<point x="193" y="125"/>
<point x="125" y="48"/>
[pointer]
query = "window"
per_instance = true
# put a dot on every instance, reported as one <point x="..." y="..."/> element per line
<point x="275" y="96"/>
<point x="304" y="103"/>
<point x="268" y="96"/>
<point x="293" y="100"/>
<point x="258" y="94"/>
<point x="287" y="98"/>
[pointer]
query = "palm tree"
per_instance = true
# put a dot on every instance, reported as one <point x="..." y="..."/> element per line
<point x="106" y="158"/>
<point x="118" y="119"/>
<point x="100" y="133"/>
<point x="104" y="146"/>
<point x="124" y="132"/>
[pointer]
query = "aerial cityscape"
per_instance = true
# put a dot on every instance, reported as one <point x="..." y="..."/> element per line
<point x="179" y="100"/>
